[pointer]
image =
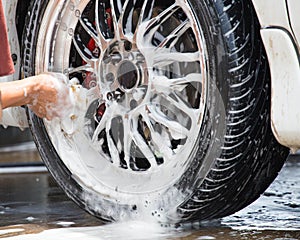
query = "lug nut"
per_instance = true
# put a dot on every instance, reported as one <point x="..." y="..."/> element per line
<point x="133" y="104"/>
<point x="107" y="59"/>
<point x="110" y="77"/>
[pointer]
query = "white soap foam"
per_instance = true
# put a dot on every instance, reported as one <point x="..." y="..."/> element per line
<point x="131" y="230"/>
<point x="65" y="224"/>
<point x="12" y="230"/>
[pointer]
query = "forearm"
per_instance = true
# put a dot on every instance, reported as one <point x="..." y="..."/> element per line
<point x="17" y="93"/>
<point x="41" y="93"/>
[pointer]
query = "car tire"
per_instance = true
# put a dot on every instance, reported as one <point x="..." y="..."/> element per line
<point x="232" y="154"/>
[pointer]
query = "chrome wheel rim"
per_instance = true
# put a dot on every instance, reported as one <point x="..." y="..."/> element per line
<point x="142" y="64"/>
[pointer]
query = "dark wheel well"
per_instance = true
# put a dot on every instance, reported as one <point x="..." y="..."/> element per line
<point x="21" y="12"/>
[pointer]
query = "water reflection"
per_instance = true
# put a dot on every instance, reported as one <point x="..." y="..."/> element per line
<point x="278" y="207"/>
<point x="33" y="207"/>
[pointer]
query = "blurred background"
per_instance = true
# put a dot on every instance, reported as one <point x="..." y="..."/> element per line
<point x="17" y="148"/>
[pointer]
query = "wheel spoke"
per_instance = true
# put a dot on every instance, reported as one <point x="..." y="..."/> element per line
<point x="177" y="130"/>
<point x="166" y="85"/>
<point x="127" y="8"/>
<point x="145" y="13"/>
<point x="165" y="57"/>
<point x="140" y="142"/>
<point x="100" y="9"/>
<point x="86" y="68"/>
<point x="113" y="150"/>
<point x="173" y="37"/>
<point x="159" y="141"/>
<point x="107" y="117"/>
<point x="181" y="105"/>
<point x="88" y="27"/>
<point x="117" y="29"/>
<point x="98" y="130"/>
<point x="127" y="140"/>
<point x="153" y="24"/>
<point x="85" y="54"/>
<point x="106" y="124"/>
<point x="157" y="21"/>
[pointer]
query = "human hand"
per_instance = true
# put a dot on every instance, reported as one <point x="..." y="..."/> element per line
<point x="49" y="96"/>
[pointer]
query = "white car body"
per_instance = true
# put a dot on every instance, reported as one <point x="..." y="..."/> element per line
<point x="280" y="30"/>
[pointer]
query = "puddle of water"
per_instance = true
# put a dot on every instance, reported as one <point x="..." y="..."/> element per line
<point x="137" y="230"/>
<point x="278" y="208"/>
<point x="133" y="230"/>
<point x="33" y="207"/>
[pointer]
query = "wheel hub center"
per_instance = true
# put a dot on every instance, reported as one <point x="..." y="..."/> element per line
<point x="123" y="67"/>
<point x="127" y="75"/>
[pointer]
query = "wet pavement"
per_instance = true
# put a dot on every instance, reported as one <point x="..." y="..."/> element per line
<point x="33" y="207"/>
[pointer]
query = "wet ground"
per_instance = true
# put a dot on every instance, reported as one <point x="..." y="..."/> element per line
<point x="33" y="207"/>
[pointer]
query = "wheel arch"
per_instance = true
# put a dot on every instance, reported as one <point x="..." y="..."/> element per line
<point x="284" y="60"/>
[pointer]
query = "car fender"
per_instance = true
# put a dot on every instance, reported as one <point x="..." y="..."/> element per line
<point x="282" y="49"/>
<point x="294" y="10"/>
